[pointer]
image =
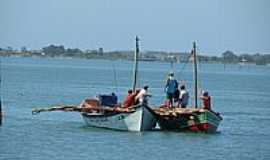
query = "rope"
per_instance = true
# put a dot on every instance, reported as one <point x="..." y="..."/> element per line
<point x="115" y="79"/>
<point x="184" y="66"/>
<point x="178" y="73"/>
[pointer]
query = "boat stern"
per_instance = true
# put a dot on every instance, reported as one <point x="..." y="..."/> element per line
<point x="206" y="121"/>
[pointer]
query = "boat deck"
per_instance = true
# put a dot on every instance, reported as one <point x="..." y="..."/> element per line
<point x="165" y="111"/>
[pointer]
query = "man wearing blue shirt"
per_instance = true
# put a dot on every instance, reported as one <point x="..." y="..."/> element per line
<point x="171" y="88"/>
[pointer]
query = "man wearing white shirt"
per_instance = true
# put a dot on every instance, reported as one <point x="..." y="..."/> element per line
<point x="184" y="96"/>
<point x="141" y="96"/>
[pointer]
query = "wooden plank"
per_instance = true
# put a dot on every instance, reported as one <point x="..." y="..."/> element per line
<point x="88" y="109"/>
<point x="177" y="111"/>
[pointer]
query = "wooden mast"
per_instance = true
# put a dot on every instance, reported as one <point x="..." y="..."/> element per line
<point x="195" y="75"/>
<point x="1" y="115"/>
<point x="0" y="112"/>
<point x="135" y="69"/>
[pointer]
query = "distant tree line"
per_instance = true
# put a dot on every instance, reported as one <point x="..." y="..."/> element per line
<point x="260" y="59"/>
<point x="61" y="51"/>
<point x="56" y="51"/>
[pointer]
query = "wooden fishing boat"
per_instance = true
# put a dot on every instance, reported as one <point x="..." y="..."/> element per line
<point x="188" y="119"/>
<point x="105" y="112"/>
<point x="111" y="116"/>
<point x="135" y="118"/>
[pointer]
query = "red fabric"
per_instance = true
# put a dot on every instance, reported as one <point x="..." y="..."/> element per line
<point x="207" y="102"/>
<point x="129" y="100"/>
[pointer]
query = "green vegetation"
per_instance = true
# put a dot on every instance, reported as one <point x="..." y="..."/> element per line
<point x="61" y="52"/>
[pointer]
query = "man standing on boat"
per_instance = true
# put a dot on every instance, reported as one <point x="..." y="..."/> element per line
<point x="206" y="100"/>
<point x="183" y="98"/>
<point x="171" y="88"/>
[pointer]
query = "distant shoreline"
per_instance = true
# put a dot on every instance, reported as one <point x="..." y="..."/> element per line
<point x="107" y="58"/>
<point x="53" y="51"/>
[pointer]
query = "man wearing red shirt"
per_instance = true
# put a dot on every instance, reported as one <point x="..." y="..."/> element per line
<point x="129" y="100"/>
<point x="206" y="101"/>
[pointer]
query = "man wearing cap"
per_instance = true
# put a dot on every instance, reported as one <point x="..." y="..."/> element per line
<point x="206" y="100"/>
<point x="183" y="98"/>
<point x="171" y="88"/>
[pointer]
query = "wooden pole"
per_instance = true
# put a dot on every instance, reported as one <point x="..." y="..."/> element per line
<point x="195" y="75"/>
<point x="135" y="69"/>
<point x="1" y="115"/>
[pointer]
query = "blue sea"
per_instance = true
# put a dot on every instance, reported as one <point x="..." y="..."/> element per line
<point x="241" y="93"/>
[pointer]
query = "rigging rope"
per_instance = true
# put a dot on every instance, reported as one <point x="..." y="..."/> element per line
<point x="115" y="79"/>
<point x="184" y="66"/>
<point x="179" y="74"/>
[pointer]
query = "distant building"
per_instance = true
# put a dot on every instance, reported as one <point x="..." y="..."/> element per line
<point x="93" y="51"/>
<point x="100" y="51"/>
<point x="23" y="49"/>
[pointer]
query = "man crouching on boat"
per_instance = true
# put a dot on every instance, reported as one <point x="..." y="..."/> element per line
<point x="130" y="98"/>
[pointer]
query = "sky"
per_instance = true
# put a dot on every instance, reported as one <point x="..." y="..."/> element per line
<point x="242" y="26"/>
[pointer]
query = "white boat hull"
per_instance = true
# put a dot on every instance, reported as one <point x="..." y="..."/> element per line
<point x="140" y="120"/>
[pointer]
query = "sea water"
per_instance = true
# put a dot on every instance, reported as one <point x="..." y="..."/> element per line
<point x="240" y="93"/>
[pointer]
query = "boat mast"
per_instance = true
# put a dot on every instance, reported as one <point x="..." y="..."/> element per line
<point x="135" y="69"/>
<point x="195" y="75"/>
<point x="1" y="115"/>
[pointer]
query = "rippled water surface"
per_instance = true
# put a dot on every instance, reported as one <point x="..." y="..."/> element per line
<point x="240" y="94"/>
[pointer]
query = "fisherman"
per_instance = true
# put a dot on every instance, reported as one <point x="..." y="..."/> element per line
<point x="130" y="99"/>
<point x="141" y="97"/>
<point x="114" y="98"/>
<point x="171" y="88"/>
<point x="206" y="100"/>
<point x="183" y="97"/>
